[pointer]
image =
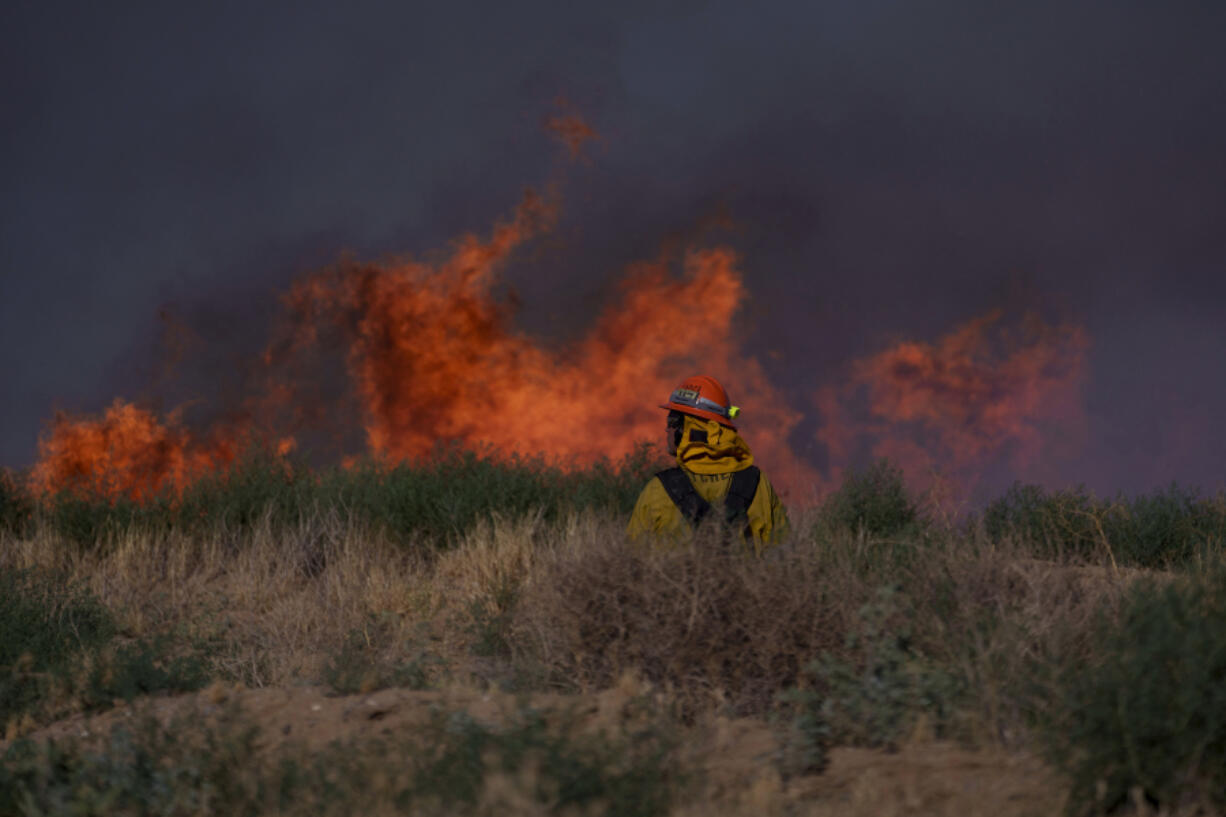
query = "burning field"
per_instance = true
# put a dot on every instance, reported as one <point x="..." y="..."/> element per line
<point x="433" y="359"/>
<point x="333" y="474"/>
<point x="447" y="617"/>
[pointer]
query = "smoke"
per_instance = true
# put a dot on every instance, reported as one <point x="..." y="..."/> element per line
<point x="432" y="355"/>
<point x="893" y="169"/>
<point x="981" y="394"/>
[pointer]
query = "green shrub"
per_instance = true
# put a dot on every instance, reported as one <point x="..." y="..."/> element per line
<point x="491" y="618"/>
<point x="874" y="501"/>
<point x="240" y="496"/>
<point x="1054" y="523"/>
<point x="191" y="767"/>
<point x="1148" y="710"/>
<point x="1166" y="528"/>
<point x="880" y="685"/>
<point x="436" y="500"/>
<point x="16" y="506"/>
<point x="629" y="775"/>
<point x="805" y="739"/>
<point x="128" y="671"/>
<point x="88" y="521"/>
<point x="59" y="648"/>
<point x="365" y="663"/>
<point x="447" y="496"/>
<point x="141" y="769"/>
<point x="45" y="626"/>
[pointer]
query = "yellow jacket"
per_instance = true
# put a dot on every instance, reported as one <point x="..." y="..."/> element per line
<point x="709" y="454"/>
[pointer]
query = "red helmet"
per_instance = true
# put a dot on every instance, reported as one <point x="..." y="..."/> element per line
<point x="703" y="396"/>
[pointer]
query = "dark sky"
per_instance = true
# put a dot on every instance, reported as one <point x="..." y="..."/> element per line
<point x="893" y="169"/>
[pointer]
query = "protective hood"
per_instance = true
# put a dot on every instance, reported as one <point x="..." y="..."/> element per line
<point x="708" y="447"/>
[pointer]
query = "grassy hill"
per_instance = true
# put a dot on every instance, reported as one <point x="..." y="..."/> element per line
<point x="1082" y="636"/>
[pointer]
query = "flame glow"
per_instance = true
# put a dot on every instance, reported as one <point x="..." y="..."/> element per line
<point x="980" y="393"/>
<point x="435" y="359"/>
<point x="126" y="453"/>
<point x="431" y="357"/>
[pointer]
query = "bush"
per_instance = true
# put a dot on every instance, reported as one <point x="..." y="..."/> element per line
<point x="701" y="620"/>
<point x="1167" y="528"/>
<point x="805" y="740"/>
<point x="437" y="500"/>
<point x="448" y="766"/>
<point x="362" y="666"/>
<point x="873" y="501"/>
<point x="88" y="521"/>
<point x="15" y="505"/>
<point x="58" y="649"/>
<point x="257" y="485"/>
<point x="1148" y="711"/>
<point x="491" y="619"/>
<point x="441" y="499"/>
<point x="45" y="625"/>
<point x="881" y="685"/>
<point x="1055" y="523"/>
<point x="129" y="671"/>
<point x="630" y="775"/>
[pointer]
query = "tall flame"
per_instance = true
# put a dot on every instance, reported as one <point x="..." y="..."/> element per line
<point x="432" y="357"/>
<point x="126" y="453"/>
<point x="435" y="359"/>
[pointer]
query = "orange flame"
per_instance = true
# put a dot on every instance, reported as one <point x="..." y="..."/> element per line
<point x="980" y="393"/>
<point x="432" y="358"/>
<point x="127" y="452"/>
<point x="435" y="360"/>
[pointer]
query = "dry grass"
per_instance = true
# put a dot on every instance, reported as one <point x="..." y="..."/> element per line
<point x="726" y="764"/>
<point x="579" y="607"/>
<point x="708" y="624"/>
<point x="273" y="606"/>
<point x="572" y="607"/>
<point x="721" y="630"/>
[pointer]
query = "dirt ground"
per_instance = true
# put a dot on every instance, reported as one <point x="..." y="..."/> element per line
<point x="733" y="757"/>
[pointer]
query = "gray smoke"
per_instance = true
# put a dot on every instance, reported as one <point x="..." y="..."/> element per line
<point x="890" y="169"/>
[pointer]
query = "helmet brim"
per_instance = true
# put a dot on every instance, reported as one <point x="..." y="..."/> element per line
<point x="699" y="413"/>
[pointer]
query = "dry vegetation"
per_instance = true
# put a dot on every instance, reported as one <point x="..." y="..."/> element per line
<point x="573" y="604"/>
<point x="845" y="672"/>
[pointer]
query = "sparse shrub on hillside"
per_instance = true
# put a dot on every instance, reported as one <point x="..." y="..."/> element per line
<point x="16" y="506"/>
<point x="434" y="501"/>
<point x="874" y="501"/>
<point x="88" y="522"/>
<point x="874" y="692"/>
<point x="1147" y="709"/>
<point x="45" y="625"/>
<point x="705" y="622"/>
<point x="631" y="774"/>
<point x="1053" y="522"/>
<point x="443" y="498"/>
<point x="130" y="670"/>
<point x="1166" y="528"/>
<point x="257" y="485"/>
<point x="59" y="651"/>
<point x="806" y="738"/>
<point x="491" y="618"/>
<point x="452" y="765"/>
<point x="365" y="665"/>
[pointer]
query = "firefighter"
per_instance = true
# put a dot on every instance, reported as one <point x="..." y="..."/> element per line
<point x="715" y="477"/>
